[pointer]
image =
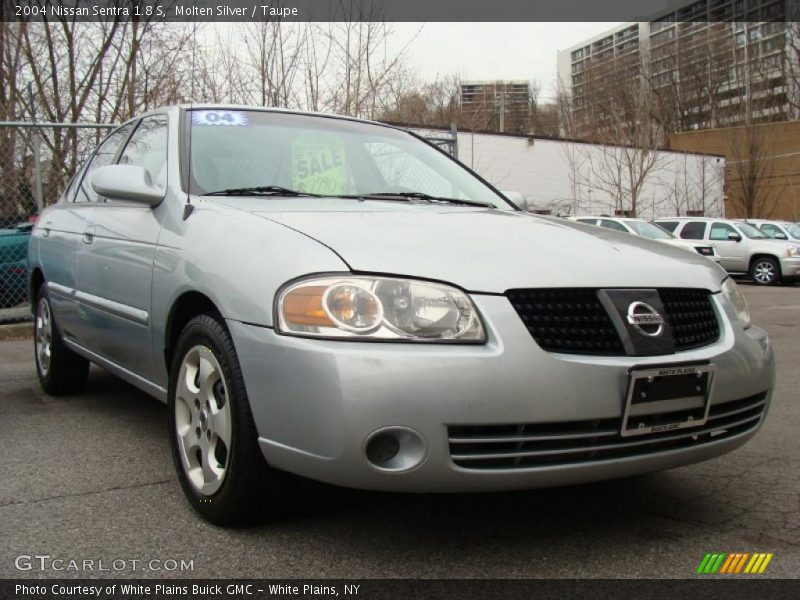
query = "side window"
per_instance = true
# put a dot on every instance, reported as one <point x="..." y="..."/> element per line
<point x="668" y="225"/>
<point x="104" y="155"/>
<point x="72" y="188"/>
<point x="588" y="221"/>
<point x="609" y="224"/>
<point x="693" y="230"/>
<point x="148" y="148"/>
<point x="719" y="232"/>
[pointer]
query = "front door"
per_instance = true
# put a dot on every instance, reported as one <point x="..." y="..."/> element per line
<point x="115" y="261"/>
<point x="731" y="253"/>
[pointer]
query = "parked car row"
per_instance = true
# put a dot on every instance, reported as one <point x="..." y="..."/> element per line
<point x="742" y="247"/>
<point x="766" y="251"/>
<point x="648" y="230"/>
<point x="334" y="298"/>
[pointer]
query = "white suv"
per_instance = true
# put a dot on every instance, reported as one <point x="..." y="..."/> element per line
<point x="741" y="247"/>
<point x="648" y="230"/>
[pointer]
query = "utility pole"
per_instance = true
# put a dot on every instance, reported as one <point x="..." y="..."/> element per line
<point x="502" y="108"/>
<point x="36" y="142"/>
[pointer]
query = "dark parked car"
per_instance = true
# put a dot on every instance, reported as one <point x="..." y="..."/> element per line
<point x="14" y="264"/>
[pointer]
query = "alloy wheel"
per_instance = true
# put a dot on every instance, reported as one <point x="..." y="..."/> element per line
<point x="44" y="336"/>
<point x="203" y="420"/>
<point x="764" y="272"/>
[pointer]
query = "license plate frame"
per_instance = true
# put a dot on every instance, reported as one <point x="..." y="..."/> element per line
<point x="669" y="411"/>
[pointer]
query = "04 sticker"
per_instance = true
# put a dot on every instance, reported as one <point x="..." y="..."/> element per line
<point x="219" y="117"/>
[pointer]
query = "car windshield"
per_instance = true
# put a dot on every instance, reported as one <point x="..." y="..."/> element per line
<point x="249" y="152"/>
<point x="648" y="230"/>
<point x="794" y="230"/>
<point x="752" y="232"/>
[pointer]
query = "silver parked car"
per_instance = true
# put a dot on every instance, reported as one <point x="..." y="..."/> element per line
<point x="333" y="298"/>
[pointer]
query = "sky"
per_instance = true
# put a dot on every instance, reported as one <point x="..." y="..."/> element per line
<point x="491" y="50"/>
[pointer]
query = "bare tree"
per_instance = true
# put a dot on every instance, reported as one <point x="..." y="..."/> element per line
<point x="753" y="183"/>
<point x="629" y="141"/>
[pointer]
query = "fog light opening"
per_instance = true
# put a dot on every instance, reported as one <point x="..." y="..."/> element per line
<point x="382" y="448"/>
<point x="395" y="449"/>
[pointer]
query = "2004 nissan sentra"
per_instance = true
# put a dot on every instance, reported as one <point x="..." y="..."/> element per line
<point x="341" y="300"/>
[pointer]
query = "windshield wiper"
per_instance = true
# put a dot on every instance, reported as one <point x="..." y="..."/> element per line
<point x="428" y="197"/>
<point x="265" y="190"/>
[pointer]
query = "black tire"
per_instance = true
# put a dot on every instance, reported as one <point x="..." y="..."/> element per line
<point x="250" y="489"/>
<point x="65" y="372"/>
<point x="765" y="271"/>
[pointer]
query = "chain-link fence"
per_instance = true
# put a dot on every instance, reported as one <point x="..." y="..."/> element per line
<point x="37" y="160"/>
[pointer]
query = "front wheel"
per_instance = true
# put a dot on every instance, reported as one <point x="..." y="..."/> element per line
<point x="214" y="441"/>
<point x="765" y="271"/>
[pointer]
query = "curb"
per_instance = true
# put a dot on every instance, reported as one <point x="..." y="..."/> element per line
<point x="16" y="331"/>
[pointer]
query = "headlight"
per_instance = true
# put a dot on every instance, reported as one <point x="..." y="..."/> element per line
<point x="733" y="294"/>
<point x="378" y="308"/>
<point x="792" y="250"/>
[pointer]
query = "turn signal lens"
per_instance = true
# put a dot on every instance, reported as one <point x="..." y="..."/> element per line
<point x="378" y="308"/>
<point x="303" y="307"/>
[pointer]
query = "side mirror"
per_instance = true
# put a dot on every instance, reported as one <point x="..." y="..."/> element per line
<point x="734" y="237"/>
<point x="779" y="235"/>
<point x="126" y="182"/>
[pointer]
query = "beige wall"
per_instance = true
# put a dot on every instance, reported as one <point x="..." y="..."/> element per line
<point x="778" y="157"/>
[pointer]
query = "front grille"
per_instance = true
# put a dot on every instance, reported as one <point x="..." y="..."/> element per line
<point x="573" y="320"/>
<point x="691" y="317"/>
<point x="567" y="320"/>
<point x="527" y="446"/>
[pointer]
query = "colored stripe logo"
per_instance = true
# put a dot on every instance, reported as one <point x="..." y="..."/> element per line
<point x="720" y="563"/>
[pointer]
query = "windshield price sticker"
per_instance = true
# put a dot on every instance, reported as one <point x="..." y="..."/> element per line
<point x="319" y="166"/>
<point x="219" y="117"/>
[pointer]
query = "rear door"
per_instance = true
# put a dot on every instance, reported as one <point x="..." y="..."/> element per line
<point x="693" y="230"/>
<point x="731" y="253"/>
<point x="115" y="264"/>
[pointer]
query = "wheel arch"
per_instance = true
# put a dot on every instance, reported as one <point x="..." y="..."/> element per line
<point x="35" y="283"/>
<point x="185" y="307"/>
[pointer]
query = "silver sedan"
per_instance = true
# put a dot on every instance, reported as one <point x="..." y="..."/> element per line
<point x="338" y="299"/>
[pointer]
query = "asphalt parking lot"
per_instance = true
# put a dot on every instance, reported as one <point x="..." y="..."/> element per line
<point x="90" y="477"/>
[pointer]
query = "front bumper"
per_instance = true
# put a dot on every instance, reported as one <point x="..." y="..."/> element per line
<point x="790" y="267"/>
<point x="316" y="402"/>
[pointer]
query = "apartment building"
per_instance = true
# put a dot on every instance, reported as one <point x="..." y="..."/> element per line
<point x="711" y="63"/>
<point x="503" y="106"/>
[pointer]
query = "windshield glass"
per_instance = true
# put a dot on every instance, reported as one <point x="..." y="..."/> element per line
<point x="233" y="149"/>
<point x="750" y="231"/>
<point x="794" y="230"/>
<point x="648" y="230"/>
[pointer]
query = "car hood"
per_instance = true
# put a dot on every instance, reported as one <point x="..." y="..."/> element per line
<point x="484" y="250"/>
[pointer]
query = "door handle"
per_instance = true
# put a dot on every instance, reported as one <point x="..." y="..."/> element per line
<point x="46" y="229"/>
<point x="88" y="234"/>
